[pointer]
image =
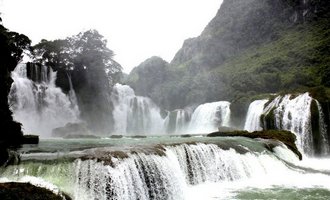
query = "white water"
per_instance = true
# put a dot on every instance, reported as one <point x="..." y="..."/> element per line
<point x="252" y="122"/>
<point x="40" y="106"/>
<point x="209" y="116"/>
<point x="139" y="115"/>
<point x="177" y="121"/>
<point x="135" y="114"/>
<point x="198" y="171"/>
<point x="292" y="114"/>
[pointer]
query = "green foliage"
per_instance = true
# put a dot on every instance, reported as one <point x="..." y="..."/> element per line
<point x="85" y="58"/>
<point x="251" y="47"/>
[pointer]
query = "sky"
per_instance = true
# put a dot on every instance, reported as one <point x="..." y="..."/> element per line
<point x="135" y="29"/>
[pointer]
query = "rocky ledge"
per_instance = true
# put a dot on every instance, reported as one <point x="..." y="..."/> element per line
<point x="286" y="137"/>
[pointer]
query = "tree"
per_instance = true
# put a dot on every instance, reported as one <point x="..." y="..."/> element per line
<point x="85" y="58"/>
<point x="12" y="46"/>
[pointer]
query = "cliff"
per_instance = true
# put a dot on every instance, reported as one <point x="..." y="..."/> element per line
<point x="250" y="47"/>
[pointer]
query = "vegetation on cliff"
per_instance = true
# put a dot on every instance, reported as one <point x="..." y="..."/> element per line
<point x="251" y="47"/>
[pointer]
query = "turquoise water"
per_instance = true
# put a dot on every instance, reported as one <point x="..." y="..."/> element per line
<point x="278" y="193"/>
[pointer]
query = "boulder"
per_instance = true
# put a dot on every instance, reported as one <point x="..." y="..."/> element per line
<point x="71" y="129"/>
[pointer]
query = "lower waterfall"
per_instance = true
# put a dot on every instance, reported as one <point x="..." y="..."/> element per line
<point x="172" y="174"/>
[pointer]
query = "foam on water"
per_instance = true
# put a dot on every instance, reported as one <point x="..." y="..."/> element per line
<point x="185" y="171"/>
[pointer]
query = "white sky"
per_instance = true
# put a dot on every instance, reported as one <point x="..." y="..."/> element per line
<point x="135" y="29"/>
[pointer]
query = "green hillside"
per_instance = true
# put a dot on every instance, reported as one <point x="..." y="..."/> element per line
<point x="250" y="48"/>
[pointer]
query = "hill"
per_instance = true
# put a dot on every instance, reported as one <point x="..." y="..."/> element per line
<point x="250" y="47"/>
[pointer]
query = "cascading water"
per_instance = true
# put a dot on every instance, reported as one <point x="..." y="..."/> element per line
<point x="37" y="103"/>
<point x="135" y="114"/>
<point x="252" y="122"/>
<point x="177" y="121"/>
<point x="208" y="117"/>
<point x="292" y="114"/>
<point x="172" y="174"/>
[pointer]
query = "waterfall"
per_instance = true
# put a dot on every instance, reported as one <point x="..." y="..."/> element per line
<point x="72" y="93"/>
<point x="152" y="176"/>
<point x="292" y="113"/>
<point x="135" y="114"/>
<point x="252" y="122"/>
<point x="209" y="116"/>
<point x="37" y="103"/>
<point x="177" y="121"/>
<point x="140" y="115"/>
<point x="138" y="177"/>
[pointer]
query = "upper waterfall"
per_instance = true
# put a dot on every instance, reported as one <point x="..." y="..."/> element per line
<point x="37" y="103"/>
<point x="209" y="116"/>
<point x="135" y="114"/>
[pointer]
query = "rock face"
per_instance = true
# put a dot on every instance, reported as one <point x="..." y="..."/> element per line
<point x="240" y="24"/>
<point x="26" y="191"/>
<point x="148" y="75"/>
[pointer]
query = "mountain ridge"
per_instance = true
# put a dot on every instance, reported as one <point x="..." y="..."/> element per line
<point x="249" y="48"/>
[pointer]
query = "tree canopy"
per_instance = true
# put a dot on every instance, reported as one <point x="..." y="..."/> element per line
<point x="87" y="60"/>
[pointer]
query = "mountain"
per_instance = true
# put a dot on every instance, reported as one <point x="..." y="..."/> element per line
<point x="250" y="47"/>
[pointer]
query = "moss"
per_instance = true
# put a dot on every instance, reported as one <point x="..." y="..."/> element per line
<point x="286" y="137"/>
<point x="320" y="93"/>
<point x="268" y="120"/>
<point x="316" y="132"/>
<point x="138" y="136"/>
<point x="26" y="191"/>
<point x="116" y="136"/>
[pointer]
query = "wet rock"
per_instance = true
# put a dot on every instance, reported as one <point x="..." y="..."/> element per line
<point x="27" y="191"/>
<point x="71" y="129"/>
<point x="286" y="137"/>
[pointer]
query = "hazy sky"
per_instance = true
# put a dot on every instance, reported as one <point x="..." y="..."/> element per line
<point x="135" y="29"/>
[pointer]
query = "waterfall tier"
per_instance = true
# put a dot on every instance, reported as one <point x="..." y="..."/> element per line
<point x="292" y="113"/>
<point x="208" y="117"/>
<point x="252" y="122"/>
<point x="139" y="175"/>
<point x="37" y="103"/>
<point x="135" y="114"/>
<point x="140" y="115"/>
